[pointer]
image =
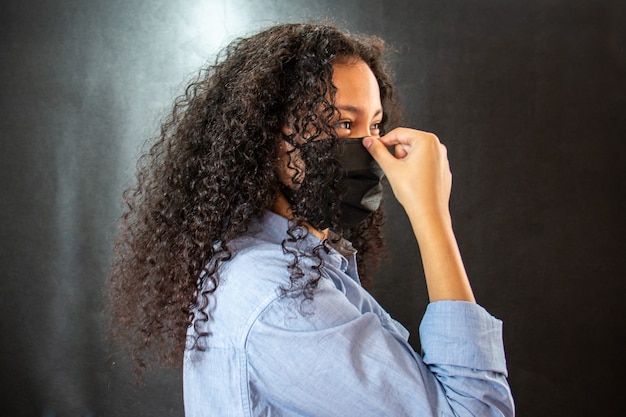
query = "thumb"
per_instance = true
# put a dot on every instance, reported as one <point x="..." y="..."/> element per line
<point x="379" y="151"/>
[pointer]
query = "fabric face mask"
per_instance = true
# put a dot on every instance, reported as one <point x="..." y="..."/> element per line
<point x="360" y="185"/>
<point x="360" y="188"/>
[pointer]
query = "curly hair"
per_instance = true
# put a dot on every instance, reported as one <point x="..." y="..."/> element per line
<point x="211" y="172"/>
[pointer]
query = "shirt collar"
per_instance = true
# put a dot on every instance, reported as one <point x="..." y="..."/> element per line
<point x="273" y="228"/>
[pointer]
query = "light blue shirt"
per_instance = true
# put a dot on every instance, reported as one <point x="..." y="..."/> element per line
<point x="340" y="354"/>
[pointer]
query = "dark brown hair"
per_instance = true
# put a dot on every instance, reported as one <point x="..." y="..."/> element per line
<point x="212" y="172"/>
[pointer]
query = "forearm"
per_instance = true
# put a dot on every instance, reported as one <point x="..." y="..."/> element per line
<point x="421" y="180"/>
<point x="446" y="278"/>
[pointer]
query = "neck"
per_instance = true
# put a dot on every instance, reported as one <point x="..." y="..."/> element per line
<point x="282" y="207"/>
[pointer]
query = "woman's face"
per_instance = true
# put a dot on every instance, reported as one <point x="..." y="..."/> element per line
<point x="357" y="99"/>
<point x="360" y="114"/>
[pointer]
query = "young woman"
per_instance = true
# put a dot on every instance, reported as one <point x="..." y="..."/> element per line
<point x="254" y="222"/>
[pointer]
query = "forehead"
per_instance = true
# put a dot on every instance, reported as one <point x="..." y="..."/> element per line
<point x="356" y="85"/>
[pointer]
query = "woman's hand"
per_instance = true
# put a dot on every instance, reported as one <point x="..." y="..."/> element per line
<point x="419" y="174"/>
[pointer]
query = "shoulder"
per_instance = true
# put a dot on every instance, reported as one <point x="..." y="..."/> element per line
<point x="251" y="280"/>
<point x="256" y="265"/>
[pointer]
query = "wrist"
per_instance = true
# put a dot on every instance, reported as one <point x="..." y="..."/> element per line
<point x="428" y="224"/>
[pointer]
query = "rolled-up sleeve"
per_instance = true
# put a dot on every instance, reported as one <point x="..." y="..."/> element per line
<point x="325" y="357"/>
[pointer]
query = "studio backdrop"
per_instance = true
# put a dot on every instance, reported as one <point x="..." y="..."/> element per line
<point x="527" y="95"/>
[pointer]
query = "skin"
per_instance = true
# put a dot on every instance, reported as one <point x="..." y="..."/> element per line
<point x="419" y="174"/>
<point x="358" y="102"/>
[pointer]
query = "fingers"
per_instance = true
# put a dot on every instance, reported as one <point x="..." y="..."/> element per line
<point x="418" y="170"/>
<point x="379" y="151"/>
<point x="399" y="151"/>
<point x="407" y="138"/>
<point x="402" y="140"/>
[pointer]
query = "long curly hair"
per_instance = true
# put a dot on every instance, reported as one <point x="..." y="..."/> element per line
<point x="212" y="172"/>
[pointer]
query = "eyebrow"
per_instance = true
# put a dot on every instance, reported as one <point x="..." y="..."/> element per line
<point x="355" y="109"/>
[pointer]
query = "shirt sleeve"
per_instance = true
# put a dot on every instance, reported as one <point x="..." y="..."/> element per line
<point x="325" y="357"/>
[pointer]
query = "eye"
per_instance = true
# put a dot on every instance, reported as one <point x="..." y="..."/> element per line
<point x="346" y="124"/>
<point x="375" y="128"/>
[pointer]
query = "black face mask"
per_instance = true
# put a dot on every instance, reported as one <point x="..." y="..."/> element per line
<point x="360" y="189"/>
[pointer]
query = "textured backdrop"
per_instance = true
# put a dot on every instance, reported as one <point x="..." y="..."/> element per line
<point x="528" y="96"/>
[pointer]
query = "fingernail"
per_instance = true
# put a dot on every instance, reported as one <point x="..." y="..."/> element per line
<point x="367" y="142"/>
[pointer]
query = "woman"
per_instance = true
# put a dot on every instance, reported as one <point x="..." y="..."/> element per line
<point x="238" y="252"/>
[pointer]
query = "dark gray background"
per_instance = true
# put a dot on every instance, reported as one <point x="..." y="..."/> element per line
<point x="528" y="96"/>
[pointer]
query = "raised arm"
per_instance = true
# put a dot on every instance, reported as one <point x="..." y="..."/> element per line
<point x="420" y="177"/>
